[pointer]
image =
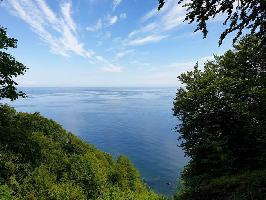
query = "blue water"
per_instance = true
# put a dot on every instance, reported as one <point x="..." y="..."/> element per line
<point x="136" y="122"/>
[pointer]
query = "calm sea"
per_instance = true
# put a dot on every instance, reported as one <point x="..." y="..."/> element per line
<point x="136" y="122"/>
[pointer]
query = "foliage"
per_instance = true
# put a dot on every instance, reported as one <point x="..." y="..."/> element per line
<point x="5" y="192"/>
<point x="9" y="68"/>
<point x="241" y="15"/>
<point x="222" y="109"/>
<point x="249" y="185"/>
<point x="116" y="193"/>
<point x="40" y="160"/>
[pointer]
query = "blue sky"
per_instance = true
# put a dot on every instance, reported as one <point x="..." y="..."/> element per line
<point x="106" y="42"/>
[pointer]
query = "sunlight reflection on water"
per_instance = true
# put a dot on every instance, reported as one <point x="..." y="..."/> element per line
<point x="136" y="122"/>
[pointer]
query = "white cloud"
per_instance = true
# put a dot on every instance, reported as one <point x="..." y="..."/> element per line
<point x="58" y="31"/>
<point x="122" y="54"/>
<point x="149" y="15"/>
<point x="123" y="16"/>
<point x="111" y="20"/>
<point x="108" y="67"/>
<point x="155" y="13"/>
<point x="166" y="21"/>
<point x="66" y="11"/>
<point x="169" y="18"/>
<point x="173" y="17"/>
<point x="95" y="27"/>
<point x="50" y="16"/>
<point x="107" y="21"/>
<point x="147" y="39"/>
<point x="116" y="3"/>
<point x="112" y="69"/>
<point x="148" y="28"/>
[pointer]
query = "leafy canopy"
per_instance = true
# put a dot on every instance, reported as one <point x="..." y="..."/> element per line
<point x="223" y="114"/>
<point x="40" y="160"/>
<point x="9" y="68"/>
<point x="240" y="15"/>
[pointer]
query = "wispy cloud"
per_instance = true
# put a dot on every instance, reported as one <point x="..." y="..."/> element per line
<point x="165" y="22"/>
<point x="111" y="20"/>
<point x="123" y="16"/>
<point x="144" y="29"/>
<point x="116" y="3"/>
<point x="112" y="69"/>
<point x="122" y="54"/>
<point x="157" y="23"/>
<point x="96" y="27"/>
<point x="149" y="15"/>
<point x="147" y="39"/>
<point x="107" y="66"/>
<point x="66" y="11"/>
<point x="58" y="31"/>
<point x="105" y="22"/>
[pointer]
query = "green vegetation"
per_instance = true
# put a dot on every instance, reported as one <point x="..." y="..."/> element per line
<point x="223" y="130"/>
<point x="40" y="160"/>
<point x="223" y="110"/>
<point x="249" y="185"/>
<point x="9" y="68"/>
<point x="240" y="15"/>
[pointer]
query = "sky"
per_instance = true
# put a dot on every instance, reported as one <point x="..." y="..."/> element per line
<point x="106" y="43"/>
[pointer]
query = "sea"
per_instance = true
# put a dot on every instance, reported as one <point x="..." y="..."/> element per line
<point x="136" y="122"/>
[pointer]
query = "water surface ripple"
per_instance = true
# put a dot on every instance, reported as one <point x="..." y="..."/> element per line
<point x="136" y="122"/>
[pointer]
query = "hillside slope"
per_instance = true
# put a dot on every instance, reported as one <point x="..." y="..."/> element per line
<point x="41" y="160"/>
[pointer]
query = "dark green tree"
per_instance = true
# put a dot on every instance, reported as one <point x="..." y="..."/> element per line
<point x="249" y="15"/>
<point x="223" y="114"/>
<point x="9" y="68"/>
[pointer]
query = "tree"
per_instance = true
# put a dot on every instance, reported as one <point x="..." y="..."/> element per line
<point x="240" y="15"/>
<point x="41" y="160"/>
<point x="223" y="114"/>
<point x="9" y="68"/>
